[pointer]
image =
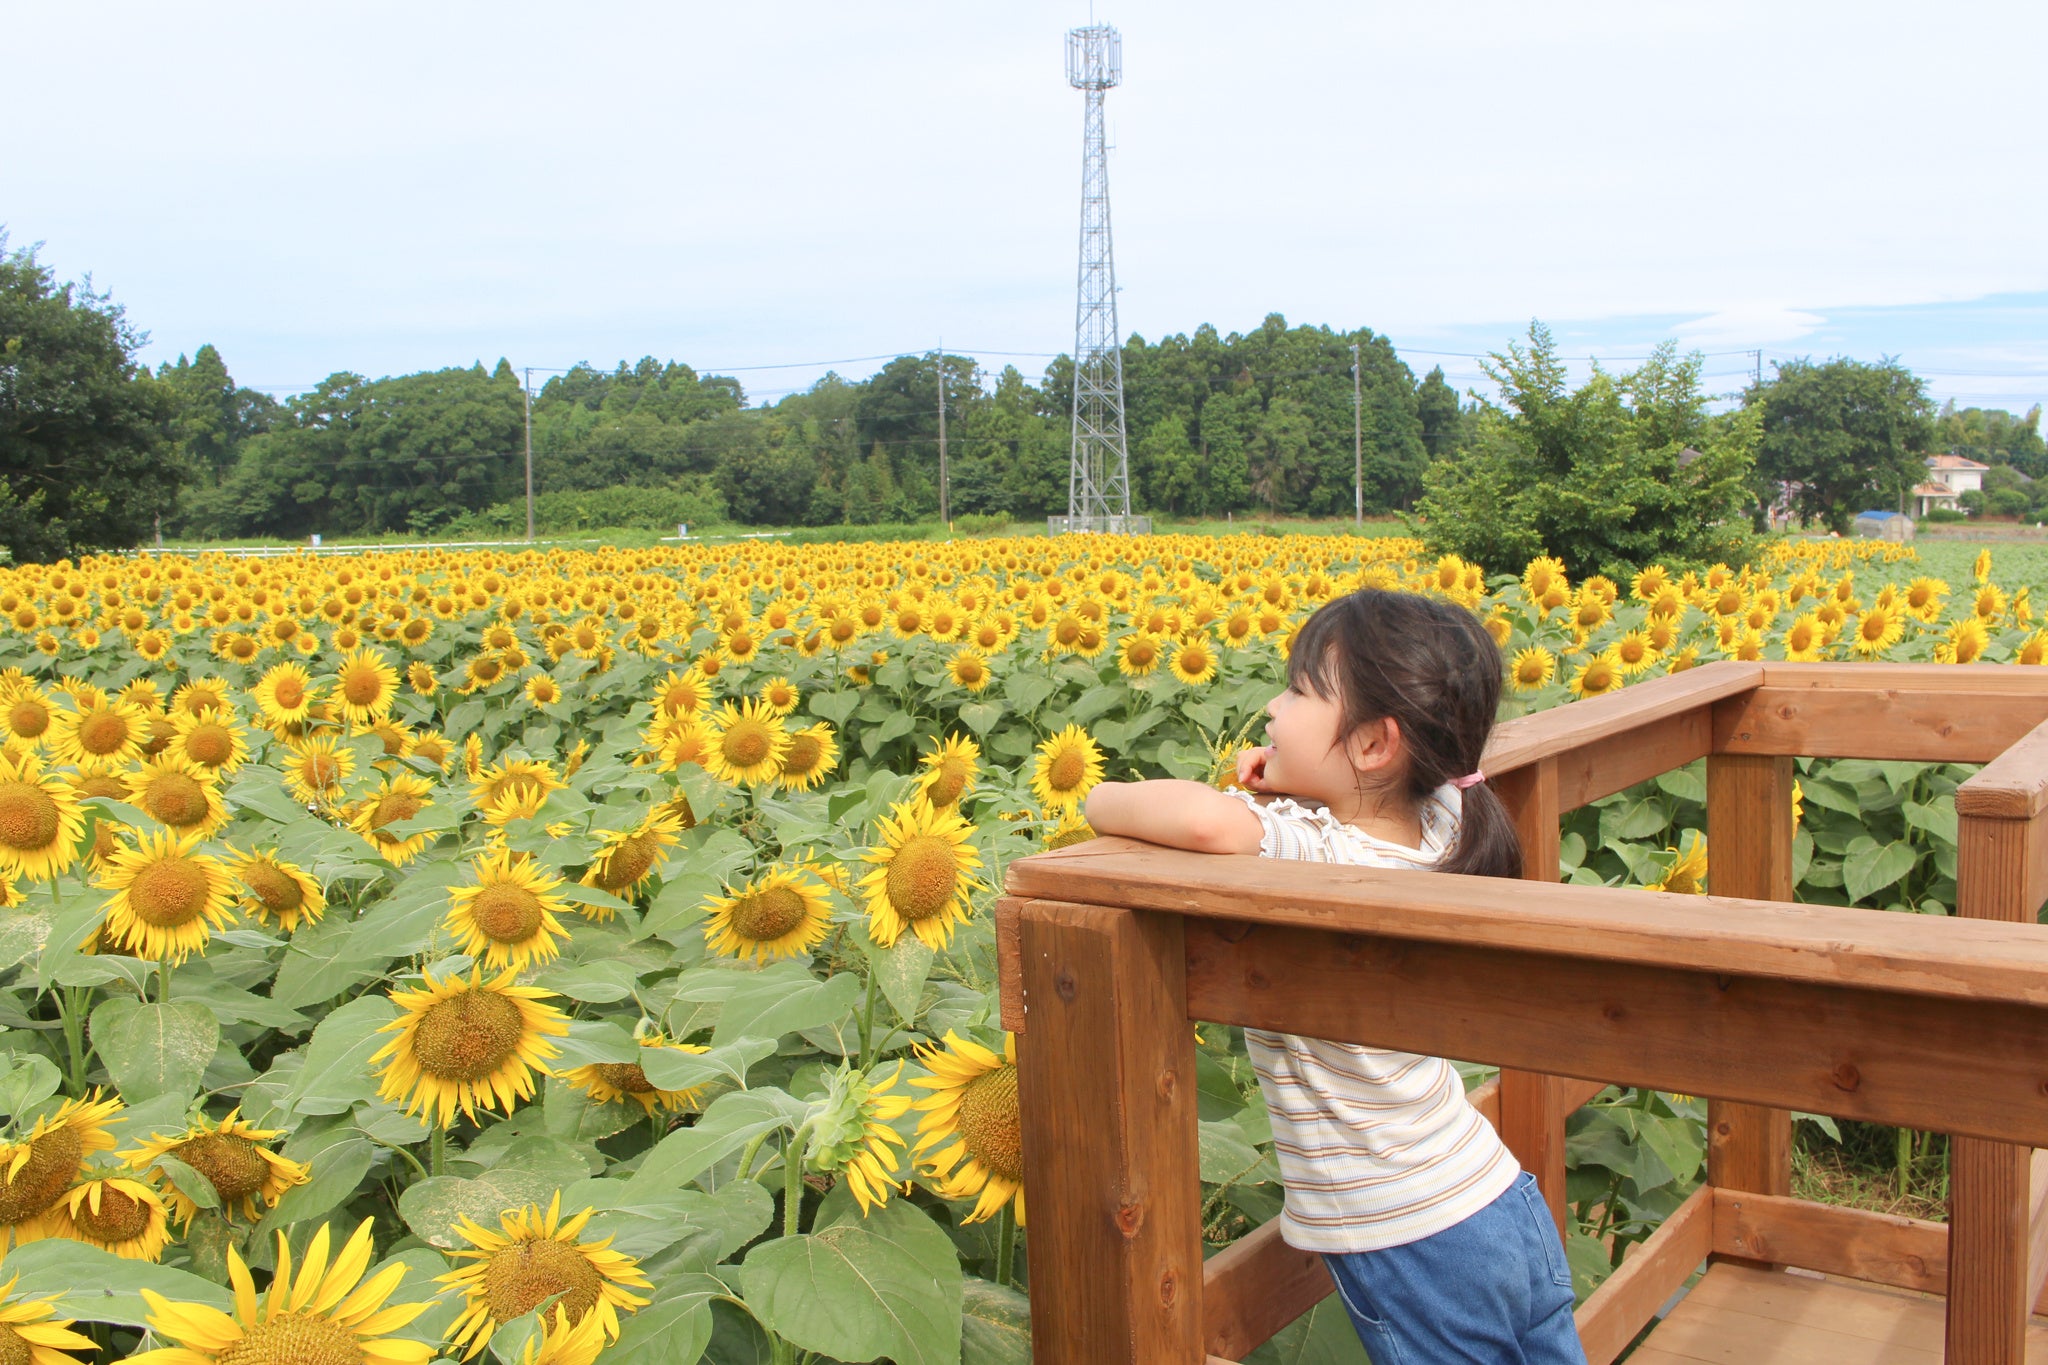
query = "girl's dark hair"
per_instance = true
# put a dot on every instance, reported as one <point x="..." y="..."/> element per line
<point x="1431" y="667"/>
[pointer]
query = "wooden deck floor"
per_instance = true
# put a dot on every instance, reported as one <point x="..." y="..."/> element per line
<point x="1739" y="1316"/>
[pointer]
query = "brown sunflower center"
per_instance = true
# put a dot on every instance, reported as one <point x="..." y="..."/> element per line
<point x="764" y="916"/>
<point x="804" y="753"/>
<point x="922" y="876"/>
<point x="29" y="818"/>
<point x="168" y="892"/>
<point x="209" y="743"/>
<point x="746" y="744"/>
<point x="290" y="692"/>
<point x="121" y="1217"/>
<point x="320" y="771"/>
<point x="52" y="1164"/>
<point x="467" y="1037"/>
<point x="278" y="890"/>
<point x="947" y="783"/>
<point x="28" y="718"/>
<point x="176" y="799"/>
<point x="235" y="1167"/>
<point x="103" y="733"/>
<point x="363" y="686"/>
<point x="1066" y="770"/>
<point x="529" y="1273"/>
<point x="14" y="1350"/>
<point x="294" y="1339"/>
<point x="627" y="863"/>
<point x="989" y="1122"/>
<point x="393" y="807"/>
<point x="506" y="912"/>
<point x="626" y="1077"/>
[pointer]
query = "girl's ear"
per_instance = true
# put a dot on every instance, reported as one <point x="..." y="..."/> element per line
<point x="1376" y="744"/>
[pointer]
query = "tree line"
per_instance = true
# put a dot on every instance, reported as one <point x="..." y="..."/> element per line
<point x="95" y="447"/>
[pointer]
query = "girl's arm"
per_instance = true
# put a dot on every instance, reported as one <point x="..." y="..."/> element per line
<point x="1175" y="813"/>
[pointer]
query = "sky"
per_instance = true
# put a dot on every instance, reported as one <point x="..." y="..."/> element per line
<point x="762" y="189"/>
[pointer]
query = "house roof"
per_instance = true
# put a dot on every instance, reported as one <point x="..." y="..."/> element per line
<point x="1934" y="489"/>
<point x="1953" y="462"/>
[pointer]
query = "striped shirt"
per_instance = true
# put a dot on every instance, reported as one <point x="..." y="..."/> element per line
<point x="1377" y="1148"/>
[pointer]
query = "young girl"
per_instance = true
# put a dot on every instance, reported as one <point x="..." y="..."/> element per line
<point x="1442" y="1248"/>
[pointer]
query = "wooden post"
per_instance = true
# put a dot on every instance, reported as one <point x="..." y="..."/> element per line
<point x="1749" y="851"/>
<point x="1988" y="1196"/>
<point x="1531" y="1103"/>
<point x="1107" y="1085"/>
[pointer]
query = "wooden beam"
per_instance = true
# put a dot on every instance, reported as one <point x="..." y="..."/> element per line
<point x="1945" y="678"/>
<point x="1990" y="1204"/>
<point x="1883" y="1248"/>
<point x="1656" y="1269"/>
<point x="1873" y="722"/>
<point x="1529" y="1116"/>
<point x="1117" y="1241"/>
<point x="1010" y="963"/>
<point x="1856" y="1052"/>
<point x="1256" y="1286"/>
<point x="2037" y="1227"/>
<point x="2013" y="786"/>
<point x="1640" y="708"/>
<point x="1810" y="944"/>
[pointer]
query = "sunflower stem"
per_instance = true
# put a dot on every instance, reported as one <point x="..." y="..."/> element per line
<point x="163" y="982"/>
<point x="793" y="1181"/>
<point x="749" y="1152"/>
<point x="437" y="1149"/>
<point x="1006" y="1244"/>
<point x="71" y="1009"/>
<point x="867" y="1023"/>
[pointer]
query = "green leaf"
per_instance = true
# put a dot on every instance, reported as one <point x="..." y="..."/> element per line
<point x="1322" y="1336"/>
<point x="30" y="1081"/>
<point x="339" y="1157"/>
<point x="326" y="960"/>
<point x="190" y="1183"/>
<point x="900" y="972"/>
<point x="1227" y="1157"/>
<point x="431" y="1207"/>
<point x="784" y="999"/>
<point x="978" y="716"/>
<point x="995" y="1324"/>
<point x="337" y="1073"/>
<point x="672" y="1330"/>
<point x="600" y="983"/>
<point x="727" y="1124"/>
<point x="153" y="1050"/>
<point x="1937" y="817"/>
<point x="593" y="1042"/>
<point x="885" y="1285"/>
<point x="1868" y="870"/>
<point x="1679" y="1143"/>
<point x="1633" y="818"/>
<point x="673" y="1068"/>
<point x="641" y="1226"/>
<point x="833" y="706"/>
<point x="98" y="1286"/>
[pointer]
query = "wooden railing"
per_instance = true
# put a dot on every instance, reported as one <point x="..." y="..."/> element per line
<point x="1108" y="948"/>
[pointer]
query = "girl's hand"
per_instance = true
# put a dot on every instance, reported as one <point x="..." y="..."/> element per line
<point x="1251" y="768"/>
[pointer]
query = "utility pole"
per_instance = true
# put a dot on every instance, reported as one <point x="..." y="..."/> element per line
<point x="1357" y="444"/>
<point x="528" y="387"/>
<point x="1758" y="356"/>
<point x="945" y="504"/>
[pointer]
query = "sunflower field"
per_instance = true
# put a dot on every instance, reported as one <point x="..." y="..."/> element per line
<point x="558" y="956"/>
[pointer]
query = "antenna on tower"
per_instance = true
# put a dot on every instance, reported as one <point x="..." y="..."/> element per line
<point x="1099" y="476"/>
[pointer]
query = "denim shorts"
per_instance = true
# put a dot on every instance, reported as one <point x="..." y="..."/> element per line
<point x="1493" y="1290"/>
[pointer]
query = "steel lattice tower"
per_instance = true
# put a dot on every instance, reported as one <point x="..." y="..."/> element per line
<point x="1099" y="478"/>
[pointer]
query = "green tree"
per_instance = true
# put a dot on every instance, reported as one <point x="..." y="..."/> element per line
<point x="1994" y="437"/>
<point x="1844" y="434"/>
<point x="86" y="461"/>
<point x="1625" y="470"/>
<point x="1438" y="410"/>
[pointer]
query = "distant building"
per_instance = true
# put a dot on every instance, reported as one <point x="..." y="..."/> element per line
<point x="1948" y="478"/>
<point x="1882" y="525"/>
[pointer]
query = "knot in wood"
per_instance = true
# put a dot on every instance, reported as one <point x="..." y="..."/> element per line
<point x="1612" y="1013"/>
<point x="1065" y="985"/>
<point x="1232" y="931"/>
<point x="1256" y="980"/>
<point x="1847" y="1077"/>
<point x="1130" y="1216"/>
<point x="1167" y="1084"/>
<point x="1169" y="1288"/>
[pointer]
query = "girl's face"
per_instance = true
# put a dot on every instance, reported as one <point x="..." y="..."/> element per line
<point x="1309" y="756"/>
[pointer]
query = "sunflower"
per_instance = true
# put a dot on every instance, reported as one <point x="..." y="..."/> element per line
<point x="433" y="747"/>
<point x="1073" y="829"/>
<point x="26" y="712"/>
<point x="1923" y="598"/>
<point x="40" y="819"/>
<point x="2034" y="650"/>
<point x="780" y="695"/>
<point x="676" y="741"/>
<point x="514" y="789"/>
<point x="531" y="1258"/>
<point x="1194" y="660"/>
<point x="232" y="1157"/>
<point x="1598" y="675"/>
<point x="277" y="892"/>
<point x="1532" y="668"/>
<point x="1877" y="630"/>
<point x="780" y="914"/>
<point x="508" y="918"/>
<point x="315" y="768"/>
<point x="102" y="737"/>
<point x="419" y="676"/>
<point x="1545" y="584"/>
<point x="1635" y="652"/>
<point x="605" y="1082"/>
<point x="1068" y="765"/>
<point x="113" y="1213"/>
<point x="1805" y="638"/>
<point x="322" y="1318"/>
<point x="1138" y="654"/>
<point x="626" y="859"/>
<point x="1964" y="643"/>
<point x="813" y="754"/>
<point x="748" y="744"/>
<point x="541" y="690"/>
<point x="971" y="1126"/>
<point x="168" y="898"/>
<point x="365" y="686"/>
<point x="285" y="695"/>
<point x="400" y="798"/>
<point x="851" y="1134"/>
<point x="950" y="771"/>
<point x="683" y="694"/>
<point x="924" y="872"/>
<point x="1687" y="874"/>
<point x="210" y="739"/>
<point x="461" y="1044"/>
<point x="41" y="1168"/>
<point x="178" y="793"/>
<point x="564" y="1342"/>
<point x="31" y="1335"/>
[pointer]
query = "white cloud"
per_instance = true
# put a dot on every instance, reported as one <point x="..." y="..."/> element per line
<point x="1748" y="325"/>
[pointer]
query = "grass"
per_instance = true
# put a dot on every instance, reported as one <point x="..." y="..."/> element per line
<point x="1861" y="1171"/>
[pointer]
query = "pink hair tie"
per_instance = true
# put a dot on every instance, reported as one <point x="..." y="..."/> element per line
<point x="1471" y="779"/>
